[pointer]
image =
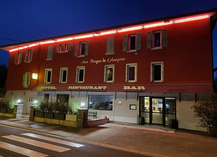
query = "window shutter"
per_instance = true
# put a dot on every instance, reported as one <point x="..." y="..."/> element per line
<point x="23" y="83"/>
<point x="125" y="43"/>
<point x="68" y="47"/>
<point x="20" y="57"/>
<point x="50" y="52"/>
<point x="28" y="79"/>
<point x="86" y="48"/>
<point x="76" y="49"/>
<point x="148" y="40"/>
<point x="15" y="58"/>
<point x="25" y="59"/>
<point x="31" y="55"/>
<point x="139" y="45"/>
<point x="57" y="48"/>
<point x="110" y="45"/>
<point x="165" y="38"/>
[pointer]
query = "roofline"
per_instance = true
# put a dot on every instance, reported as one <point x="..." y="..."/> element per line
<point x="118" y="26"/>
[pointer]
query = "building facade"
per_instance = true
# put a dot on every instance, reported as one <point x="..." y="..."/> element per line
<point x="153" y="70"/>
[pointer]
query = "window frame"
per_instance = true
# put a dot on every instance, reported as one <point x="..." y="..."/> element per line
<point x="46" y="75"/>
<point x="61" y="74"/>
<point x="153" y="40"/>
<point x="29" y="59"/>
<point x="26" y="80"/>
<point x="129" y="43"/>
<point x="152" y="72"/>
<point x="105" y="73"/>
<point x="80" y="49"/>
<point x="90" y="106"/>
<point x="78" y="68"/>
<point x="127" y="72"/>
<point x="18" y="58"/>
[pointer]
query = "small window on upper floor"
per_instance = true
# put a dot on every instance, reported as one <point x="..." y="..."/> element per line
<point x="80" y="74"/>
<point x="132" y="42"/>
<point x="131" y="72"/>
<point x="63" y="75"/>
<point x="62" y="48"/>
<point x="109" y="73"/>
<point x="157" y="39"/>
<point x="157" y="72"/>
<point x="48" y="75"/>
<point x="18" y="58"/>
<point x="50" y="53"/>
<point x="28" y="56"/>
<point x="81" y="48"/>
<point x="110" y="46"/>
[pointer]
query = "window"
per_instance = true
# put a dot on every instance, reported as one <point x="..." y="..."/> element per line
<point x="63" y="75"/>
<point x="63" y="99"/>
<point x="81" y="48"/>
<point x="46" y="98"/>
<point x="26" y="79"/>
<point x="157" y="72"/>
<point x="157" y="39"/>
<point x="100" y="102"/>
<point x="132" y="42"/>
<point x="110" y="46"/>
<point x="80" y="74"/>
<point x="131" y="72"/>
<point x="18" y="58"/>
<point x="50" y="53"/>
<point x="109" y="73"/>
<point x="62" y="48"/>
<point x="48" y="76"/>
<point x="28" y="56"/>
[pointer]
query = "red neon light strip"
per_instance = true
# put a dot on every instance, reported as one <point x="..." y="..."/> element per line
<point x="116" y="31"/>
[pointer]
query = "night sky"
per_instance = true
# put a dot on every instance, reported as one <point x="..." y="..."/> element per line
<point x="26" y="20"/>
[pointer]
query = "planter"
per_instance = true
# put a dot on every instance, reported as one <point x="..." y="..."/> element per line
<point x="10" y="111"/>
<point x="39" y="114"/>
<point x="59" y="116"/>
<point x="71" y="117"/>
<point x="212" y="131"/>
<point x="3" y="110"/>
<point x="49" y="115"/>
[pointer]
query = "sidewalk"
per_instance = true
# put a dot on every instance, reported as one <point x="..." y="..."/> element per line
<point x="147" y="140"/>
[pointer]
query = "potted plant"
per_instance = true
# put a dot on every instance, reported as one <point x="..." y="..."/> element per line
<point x="206" y="111"/>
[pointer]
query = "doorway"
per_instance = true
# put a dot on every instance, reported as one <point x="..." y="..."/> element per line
<point x="157" y="110"/>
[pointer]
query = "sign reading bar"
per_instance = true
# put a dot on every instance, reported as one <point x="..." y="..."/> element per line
<point x="87" y="87"/>
<point x="134" y="87"/>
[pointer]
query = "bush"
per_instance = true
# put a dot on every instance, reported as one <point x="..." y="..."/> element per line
<point x="206" y="111"/>
<point x="73" y="106"/>
<point x="4" y="104"/>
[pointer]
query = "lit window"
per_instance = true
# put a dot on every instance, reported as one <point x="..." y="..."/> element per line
<point x="26" y="79"/>
<point x="131" y="72"/>
<point x="63" y="75"/>
<point x="157" y="71"/>
<point x="80" y="74"/>
<point x="18" y="58"/>
<point x="28" y="56"/>
<point x="48" y="76"/>
<point x="109" y="73"/>
<point x="100" y="102"/>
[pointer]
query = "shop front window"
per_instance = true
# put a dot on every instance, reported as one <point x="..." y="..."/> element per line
<point x="100" y="102"/>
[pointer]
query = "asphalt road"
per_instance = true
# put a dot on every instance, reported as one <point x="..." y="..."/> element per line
<point x="18" y="143"/>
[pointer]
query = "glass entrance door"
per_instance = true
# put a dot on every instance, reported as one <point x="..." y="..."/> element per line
<point x="157" y="110"/>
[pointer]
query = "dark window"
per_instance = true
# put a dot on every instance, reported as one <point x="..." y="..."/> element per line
<point x="132" y="42"/>
<point x="46" y="98"/>
<point x="64" y="76"/>
<point x="80" y="75"/>
<point x="100" y="102"/>
<point x="83" y="49"/>
<point x="156" y="72"/>
<point x="157" y="39"/>
<point x="131" y="73"/>
<point x="48" y="76"/>
<point x="63" y="99"/>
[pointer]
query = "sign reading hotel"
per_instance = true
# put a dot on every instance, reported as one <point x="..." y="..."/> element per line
<point x="103" y="60"/>
<point x="48" y="88"/>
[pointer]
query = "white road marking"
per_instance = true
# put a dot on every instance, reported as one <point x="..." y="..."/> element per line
<point x="72" y="144"/>
<point x="37" y="143"/>
<point x="21" y="150"/>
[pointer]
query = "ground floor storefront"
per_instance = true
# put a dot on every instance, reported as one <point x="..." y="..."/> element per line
<point x="130" y="107"/>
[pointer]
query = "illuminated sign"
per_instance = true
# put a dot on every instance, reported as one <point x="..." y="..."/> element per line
<point x="134" y="87"/>
<point x="48" y="88"/>
<point x="103" y="60"/>
<point x="87" y="87"/>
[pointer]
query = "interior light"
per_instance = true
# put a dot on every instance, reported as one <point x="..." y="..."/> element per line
<point x="34" y="76"/>
<point x="192" y="19"/>
<point x="130" y="29"/>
